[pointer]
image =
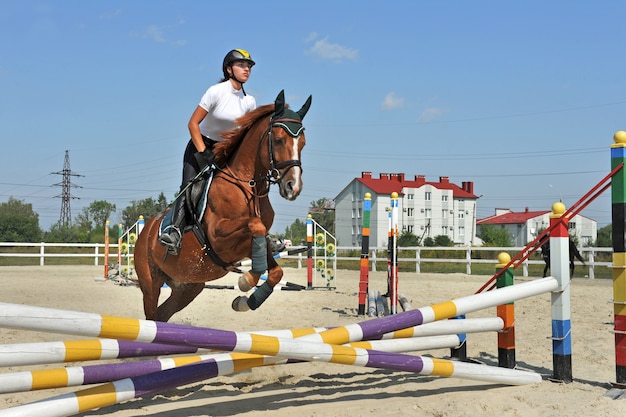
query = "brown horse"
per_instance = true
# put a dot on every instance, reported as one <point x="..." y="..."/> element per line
<point x="263" y="149"/>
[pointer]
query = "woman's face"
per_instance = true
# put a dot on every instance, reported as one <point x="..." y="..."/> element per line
<point x="241" y="70"/>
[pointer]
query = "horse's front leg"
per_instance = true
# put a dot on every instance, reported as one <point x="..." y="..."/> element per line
<point x="262" y="260"/>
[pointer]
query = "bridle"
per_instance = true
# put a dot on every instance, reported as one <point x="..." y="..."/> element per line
<point x="274" y="175"/>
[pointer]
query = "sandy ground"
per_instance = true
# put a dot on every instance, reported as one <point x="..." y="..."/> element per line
<point x="322" y="389"/>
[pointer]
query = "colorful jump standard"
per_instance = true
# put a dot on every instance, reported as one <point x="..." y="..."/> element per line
<point x="393" y="293"/>
<point x="506" y="337"/>
<point x="365" y="249"/>
<point x="560" y="298"/>
<point x="618" y="206"/>
<point x="309" y="252"/>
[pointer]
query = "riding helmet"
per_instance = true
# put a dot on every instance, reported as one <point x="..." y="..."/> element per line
<point x="236" y="55"/>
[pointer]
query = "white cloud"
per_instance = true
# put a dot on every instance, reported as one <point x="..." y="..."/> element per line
<point x="326" y="50"/>
<point x="157" y="34"/>
<point x="392" y="101"/>
<point x="430" y="114"/>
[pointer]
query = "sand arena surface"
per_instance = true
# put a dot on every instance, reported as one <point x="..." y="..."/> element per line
<point x="322" y="389"/>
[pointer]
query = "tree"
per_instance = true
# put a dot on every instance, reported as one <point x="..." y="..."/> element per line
<point x="443" y="240"/>
<point x="147" y="208"/>
<point x="323" y="212"/>
<point x="100" y="211"/>
<point x="64" y="233"/>
<point x="492" y="235"/>
<point x="296" y="232"/>
<point x="18" y="222"/>
<point x="407" y="239"/>
<point x="605" y="237"/>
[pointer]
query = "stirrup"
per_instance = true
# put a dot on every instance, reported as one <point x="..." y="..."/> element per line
<point x="171" y="243"/>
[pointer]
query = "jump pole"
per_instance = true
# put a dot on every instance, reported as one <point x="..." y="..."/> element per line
<point x="618" y="209"/>
<point x="365" y="249"/>
<point x="560" y="298"/>
<point x="23" y="354"/>
<point x="95" y="325"/>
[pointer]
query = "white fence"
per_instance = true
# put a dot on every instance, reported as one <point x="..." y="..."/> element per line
<point x="467" y="255"/>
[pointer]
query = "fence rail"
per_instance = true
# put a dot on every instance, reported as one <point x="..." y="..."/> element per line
<point x="467" y="256"/>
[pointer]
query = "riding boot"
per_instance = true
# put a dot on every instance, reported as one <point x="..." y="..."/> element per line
<point x="172" y="236"/>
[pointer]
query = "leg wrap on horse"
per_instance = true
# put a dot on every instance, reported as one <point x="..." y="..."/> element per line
<point x="259" y="254"/>
<point x="259" y="296"/>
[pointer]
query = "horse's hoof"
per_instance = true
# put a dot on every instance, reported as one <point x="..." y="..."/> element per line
<point x="245" y="282"/>
<point x="240" y="304"/>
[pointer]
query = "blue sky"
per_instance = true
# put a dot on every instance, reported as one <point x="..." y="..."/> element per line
<point x="522" y="98"/>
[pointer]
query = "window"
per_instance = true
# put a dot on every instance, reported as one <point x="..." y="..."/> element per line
<point x="444" y="214"/>
<point x="410" y="196"/>
<point x="428" y="213"/>
<point x="444" y="197"/>
<point x="427" y="195"/>
<point x="461" y="214"/>
<point x="444" y="230"/>
<point x="461" y="231"/>
<point x="409" y="212"/>
<point x="409" y="228"/>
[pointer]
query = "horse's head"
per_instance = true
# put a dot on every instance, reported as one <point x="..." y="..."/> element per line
<point x="286" y="140"/>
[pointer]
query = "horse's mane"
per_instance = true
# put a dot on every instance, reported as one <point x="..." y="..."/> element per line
<point x="232" y="138"/>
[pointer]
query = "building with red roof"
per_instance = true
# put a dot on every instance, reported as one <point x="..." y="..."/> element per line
<point x="426" y="208"/>
<point x="525" y="226"/>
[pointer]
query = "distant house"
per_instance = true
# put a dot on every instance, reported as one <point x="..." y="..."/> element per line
<point x="426" y="209"/>
<point x="525" y="226"/>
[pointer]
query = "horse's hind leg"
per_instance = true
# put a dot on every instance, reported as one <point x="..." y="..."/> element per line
<point x="150" y="281"/>
<point x="182" y="295"/>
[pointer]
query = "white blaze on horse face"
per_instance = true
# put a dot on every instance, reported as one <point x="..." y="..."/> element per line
<point x="291" y="184"/>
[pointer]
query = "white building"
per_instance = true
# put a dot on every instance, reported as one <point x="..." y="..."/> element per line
<point x="525" y="226"/>
<point x="426" y="209"/>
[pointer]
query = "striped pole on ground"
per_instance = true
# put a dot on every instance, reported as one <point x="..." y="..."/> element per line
<point x="506" y="337"/>
<point x="20" y="354"/>
<point x="560" y="299"/>
<point x="94" y="325"/>
<point x="365" y="250"/>
<point x="135" y="387"/>
<point x="618" y="208"/>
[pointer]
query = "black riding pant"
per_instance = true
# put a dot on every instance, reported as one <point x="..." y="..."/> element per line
<point x="190" y="163"/>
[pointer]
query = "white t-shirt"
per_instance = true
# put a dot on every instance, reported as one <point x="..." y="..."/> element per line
<point x="224" y="105"/>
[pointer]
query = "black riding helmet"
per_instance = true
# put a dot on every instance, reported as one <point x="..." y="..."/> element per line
<point x="233" y="56"/>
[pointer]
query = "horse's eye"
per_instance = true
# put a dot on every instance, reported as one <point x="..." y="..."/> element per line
<point x="278" y="141"/>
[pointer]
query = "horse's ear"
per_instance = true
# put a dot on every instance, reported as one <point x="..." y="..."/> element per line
<point x="305" y="108"/>
<point x="279" y="104"/>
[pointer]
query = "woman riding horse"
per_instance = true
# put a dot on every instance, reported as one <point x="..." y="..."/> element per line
<point x="264" y="149"/>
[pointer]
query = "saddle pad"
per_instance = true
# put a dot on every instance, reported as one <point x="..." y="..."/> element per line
<point x="200" y="207"/>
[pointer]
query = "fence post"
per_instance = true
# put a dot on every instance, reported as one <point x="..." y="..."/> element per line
<point x="42" y="254"/>
<point x="418" y="257"/>
<point x="591" y="259"/>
